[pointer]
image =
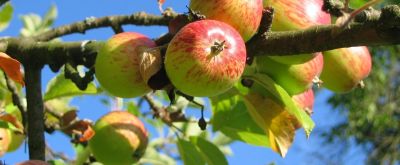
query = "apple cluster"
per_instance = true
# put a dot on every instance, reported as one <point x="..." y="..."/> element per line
<point x="338" y="70"/>
<point x="206" y="57"/>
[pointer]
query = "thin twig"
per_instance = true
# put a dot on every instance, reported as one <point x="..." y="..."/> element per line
<point x="17" y="99"/>
<point x="140" y="18"/>
<point x="160" y="112"/>
<point x="55" y="155"/>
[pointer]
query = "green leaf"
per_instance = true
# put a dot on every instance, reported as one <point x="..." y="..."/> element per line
<point x="209" y="151"/>
<point x="357" y="3"/>
<point x="50" y="16"/>
<point x="82" y="153"/>
<point x="6" y="13"/>
<point x="152" y="156"/>
<point x="133" y="108"/>
<point x="189" y="153"/>
<point x="31" y="24"/>
<point x="61" y="87"/>
<point x="221" y="139"/>
<point x="280" y="94"/>
<point x="231" y="118"/>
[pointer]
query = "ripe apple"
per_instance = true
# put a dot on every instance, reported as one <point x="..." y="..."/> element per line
<point x="295" y="78"/>
<point x="33" y="162"/>
<point x="117" y="64"/>
<point x="243" y="15"/>
<point x="295" y="15"/>
<point x="120" y="138"/>
<point x="345" y="68"/>
<point x="205" y="58"/>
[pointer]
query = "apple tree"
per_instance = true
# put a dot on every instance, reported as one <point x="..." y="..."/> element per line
<point x="255" y="63"/>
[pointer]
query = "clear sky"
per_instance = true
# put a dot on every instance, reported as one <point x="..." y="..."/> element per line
<point x="303" y="151"/>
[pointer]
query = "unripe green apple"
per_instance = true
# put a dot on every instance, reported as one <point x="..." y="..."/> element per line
<point x="295" y="15"/>
<point x="345" y="68"/>
<point x="117" y="65"/>
<point x="295" y="78"/>
<point x="243" y="15"/>
<point x="5" y="140"/>
<point x="17" y="140"/>
<point x="205" y="58"/>
<point x="120" y="138"/>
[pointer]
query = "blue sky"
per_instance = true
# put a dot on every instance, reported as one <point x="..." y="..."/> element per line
<point x="302" y="152"/>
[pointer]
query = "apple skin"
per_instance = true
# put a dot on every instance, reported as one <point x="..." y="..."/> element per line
<point x="243" y="15"/>
<point x="295" y="78"/>
<point x="117" y="65"/>
<point x="295" y="15"/>
<point x="345" y="68"/>
<point x="5" y="140"/>
<point x="33" y="162"/>
<point x="195" y="69"/>
<point x="16" y="141"/>
<point x="120" y="138"/>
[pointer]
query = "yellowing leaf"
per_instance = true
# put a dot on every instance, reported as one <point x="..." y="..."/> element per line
<point x="150" y="62"/>
<point x="274" y="119"/>
<point x="11" y="68"/>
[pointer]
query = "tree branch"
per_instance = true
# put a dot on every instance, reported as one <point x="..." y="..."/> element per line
<point x="36" y="139"/>
<point x="370" y="28"/>
<point x="374" y="29"/>
<point x="2" y="2"/>
<point x="115" y="22"/>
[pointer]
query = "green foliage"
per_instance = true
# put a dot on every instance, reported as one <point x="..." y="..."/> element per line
<point x="59" y="86"/>
<point x="6" y="13"/>
<point x="280" y="94"/>
<point x="34" y="24"/>
<point x="231" y="118"/>
<point x="200" y="151"/>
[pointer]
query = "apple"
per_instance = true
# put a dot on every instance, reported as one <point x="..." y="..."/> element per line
<point x="120" y="138"/>
<point x="345" y="68"/>
<point x="5" y="140"/>
<point x="117" y="65"/>
<point x="33" y="162"/>
<point x="243" y="15"/>
<point x="295" y="78"/>
<point x="295" y="15"/>
<point x="205" y="58"/>
<point x="17" y="140"/>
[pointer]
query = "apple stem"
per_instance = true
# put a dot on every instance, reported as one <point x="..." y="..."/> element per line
<point x="217" y="47"/>
<point x="361" y="84"/>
